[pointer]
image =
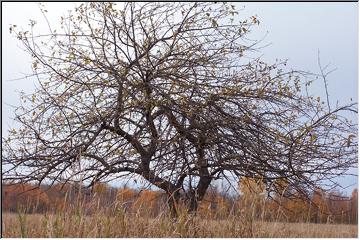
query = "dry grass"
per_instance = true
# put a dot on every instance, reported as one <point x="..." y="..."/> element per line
<point x="120" y="224"/>
<point x="113" y="221"/>
<point x="306" y="230"/>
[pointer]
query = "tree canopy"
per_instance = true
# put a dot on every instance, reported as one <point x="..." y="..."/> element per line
<point x="170" y="92"/>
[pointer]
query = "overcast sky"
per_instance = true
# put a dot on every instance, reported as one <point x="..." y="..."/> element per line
<point x="295" y="31"/>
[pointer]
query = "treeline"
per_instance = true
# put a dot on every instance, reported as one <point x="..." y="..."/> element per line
<point x="287" y="205"/>
<point x="253" y="203"/>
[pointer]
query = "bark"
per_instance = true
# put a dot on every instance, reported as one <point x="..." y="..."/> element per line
<point x="198" y="195"/>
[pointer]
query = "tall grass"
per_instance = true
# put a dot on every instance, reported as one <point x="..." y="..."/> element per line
<point x="102" y="225"/>
<point x="114" y="221"/>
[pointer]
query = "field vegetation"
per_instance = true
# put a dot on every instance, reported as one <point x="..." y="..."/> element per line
<point x="72" y="211"/>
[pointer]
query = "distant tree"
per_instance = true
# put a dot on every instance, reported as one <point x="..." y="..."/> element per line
<point x="104" y="194"/>
<point x="170" y="92"/>
<point x="339" y="207"/>
<point x="58" y="196"/>
<point x="126" y="197"/>
<point x="23" y="197"/>
<point x="149" y="203"/>
<point x="319" y="206"/>
<point x="297" y="210"/>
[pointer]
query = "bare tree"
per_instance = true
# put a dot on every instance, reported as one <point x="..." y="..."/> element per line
<point x="169" y="92"/>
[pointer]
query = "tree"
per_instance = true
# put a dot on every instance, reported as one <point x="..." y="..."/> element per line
<point x="319" y="208"/>
<point x="126" y="197"/>
<point x="19" y="197"/>
<point x="339" y="207"/>
<point x="169" y="92"/>
<point x="149" y="203"/>
<point x="103" y="194"/>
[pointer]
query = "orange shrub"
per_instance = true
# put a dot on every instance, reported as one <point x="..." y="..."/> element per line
<point x="150" y="203"/>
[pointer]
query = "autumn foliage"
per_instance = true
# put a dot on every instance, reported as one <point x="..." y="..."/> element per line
<point x="289" y="206"/>
<point x="14" y="196"/>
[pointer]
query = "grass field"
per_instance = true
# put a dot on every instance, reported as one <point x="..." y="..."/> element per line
<point x="131" y="225"/>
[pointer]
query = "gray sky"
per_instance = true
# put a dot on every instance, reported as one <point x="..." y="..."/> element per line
<point x="296" y="32"/>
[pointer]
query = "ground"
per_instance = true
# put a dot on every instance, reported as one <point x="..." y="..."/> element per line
<point x="124" y="225"/>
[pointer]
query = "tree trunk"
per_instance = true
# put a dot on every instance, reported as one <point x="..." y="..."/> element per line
<point x="198" y="195"/>
<point x="193" y="205"/>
